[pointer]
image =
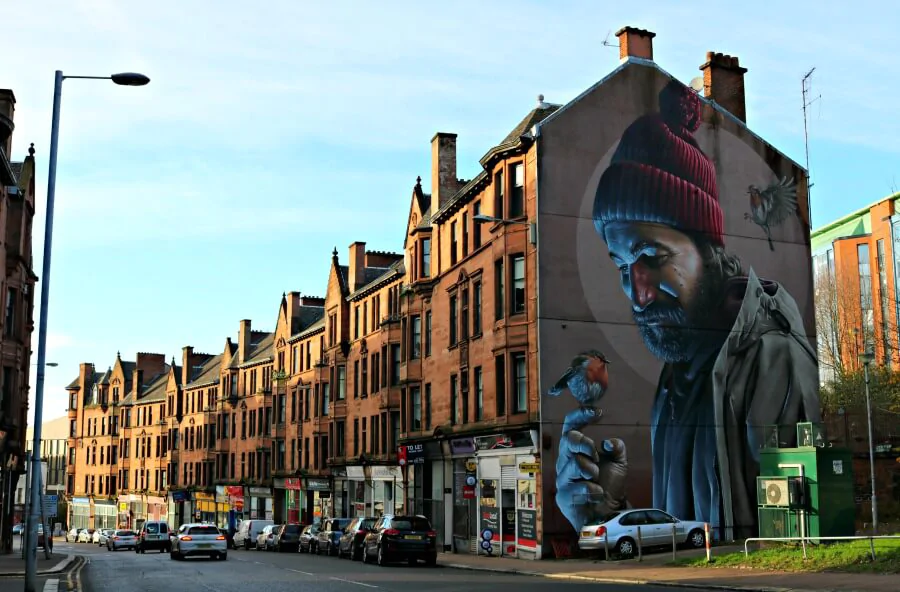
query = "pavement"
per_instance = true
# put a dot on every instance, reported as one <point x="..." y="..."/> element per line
<point x="53" y="574"/>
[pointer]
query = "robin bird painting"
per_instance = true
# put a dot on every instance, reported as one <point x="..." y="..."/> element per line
<point x="773" y="205"/>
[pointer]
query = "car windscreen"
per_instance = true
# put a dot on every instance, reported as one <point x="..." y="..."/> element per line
<point x="203" y="530"/>
<point x="410" y="523"/>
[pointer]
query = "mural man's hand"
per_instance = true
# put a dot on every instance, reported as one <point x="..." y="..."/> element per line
<point x="590" y="481"/>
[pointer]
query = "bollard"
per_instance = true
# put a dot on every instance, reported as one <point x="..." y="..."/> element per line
<point x="640" y="544"/>
<point x="706" y="536"/>
<point x="606" y="543"/>
<point x="674" y="542"/>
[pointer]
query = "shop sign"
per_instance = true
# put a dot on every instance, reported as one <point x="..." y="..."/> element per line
<point x="386" y="473"/>
<point x="468" y="492"/>
<point x="504" y="441"/>
<point x="489" y="529"/>
<point x="462" y="446"/>
<point x="81" y="501"/>
<point x="293" y="484"/>
<point x="339" y="472"/>
<point x="356" y="473"/>
<point x="260" y="492"/>
<point x="318" y="484"/>
<point x="235" y="495"/>
<point x="202" y="496"/>
<point x="123" y="507"/>
<point x="413" y="454"/>
<point x="526" y="528"/>
<point x="179" y="495"/>
<point x="531" y="467"/>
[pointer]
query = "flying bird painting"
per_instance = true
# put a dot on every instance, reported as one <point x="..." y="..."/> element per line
<point x="773" y="205"/>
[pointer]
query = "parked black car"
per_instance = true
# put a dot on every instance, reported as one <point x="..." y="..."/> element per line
<point x="395" y="538"/>
<point x="287" y="537"/>
<point x="308" y="538"/>
<point x="350" y="543"/>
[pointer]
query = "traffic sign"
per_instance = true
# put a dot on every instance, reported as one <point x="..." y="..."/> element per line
<point x="50" y="505"/>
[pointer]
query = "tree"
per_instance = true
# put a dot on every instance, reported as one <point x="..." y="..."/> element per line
<point x="847" y="323"/>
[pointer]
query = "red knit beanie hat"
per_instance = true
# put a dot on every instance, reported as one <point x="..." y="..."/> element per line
<point x="659" y="174"/>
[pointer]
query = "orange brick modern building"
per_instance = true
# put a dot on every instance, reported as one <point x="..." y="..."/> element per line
<point x="415" y="382"/>
<point x="16" y="216"/>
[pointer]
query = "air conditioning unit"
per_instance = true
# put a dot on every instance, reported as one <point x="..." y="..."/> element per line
<point x="773" y="491"/>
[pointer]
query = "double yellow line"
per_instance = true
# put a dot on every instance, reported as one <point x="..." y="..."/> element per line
<point x="73" y="576"/>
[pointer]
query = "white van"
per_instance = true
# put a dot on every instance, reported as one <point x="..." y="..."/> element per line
<point x="248" y="531"/>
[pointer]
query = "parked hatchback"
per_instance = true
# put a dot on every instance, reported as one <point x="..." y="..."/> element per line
<point x="308" y="538"/>
<point x="265" y="541"/>
<point x="328" y="538"/>
<point x="398" y="538"/>
<point x="248" y="531"/>
<point x="350" y="543"/>
<point x="287" y="537"/>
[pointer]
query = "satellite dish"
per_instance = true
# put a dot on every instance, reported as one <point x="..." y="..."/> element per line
<point x="697" y="84"/>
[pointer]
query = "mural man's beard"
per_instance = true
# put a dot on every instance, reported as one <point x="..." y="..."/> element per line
<point x="670" y="331"/>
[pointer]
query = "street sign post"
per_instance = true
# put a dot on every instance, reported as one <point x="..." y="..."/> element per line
<point x="50" y="505"/>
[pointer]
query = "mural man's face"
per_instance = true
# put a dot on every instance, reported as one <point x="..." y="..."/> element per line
<point x="662" y="274"/>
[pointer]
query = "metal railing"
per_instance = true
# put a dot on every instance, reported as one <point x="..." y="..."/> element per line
<point x="640" y="543"/>
<point x="805" y="540"/>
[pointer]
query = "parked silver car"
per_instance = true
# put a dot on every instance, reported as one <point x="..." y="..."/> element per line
<point x="620" y="531"/>
<point x="121" y="539"/>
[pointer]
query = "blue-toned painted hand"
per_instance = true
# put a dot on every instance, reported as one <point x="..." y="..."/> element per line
<point x="590" y="481"/>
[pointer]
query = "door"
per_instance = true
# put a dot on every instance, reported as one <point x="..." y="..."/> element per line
<point x="464" y="509"/>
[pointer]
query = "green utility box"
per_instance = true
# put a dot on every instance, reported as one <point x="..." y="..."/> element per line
<point x="824" y="495"/>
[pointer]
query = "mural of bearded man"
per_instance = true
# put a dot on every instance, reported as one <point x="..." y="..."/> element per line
<point x="735" y="353"/>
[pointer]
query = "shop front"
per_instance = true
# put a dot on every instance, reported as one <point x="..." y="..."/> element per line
<point x="501" y="480"/>
<point x="234" y="495"/>
<point x="287" y="499"/>
<point x="157" y="509"/>
<point x="341" y="493"/>
<point x="205" y="507"/>
<point x="81" y="513"/>
<point x="259" y="503"/>
<point x="178" y="508"/>
<point x="385" y="486"/>
<point x="426" y="486"/>
<point x="319" y="501"/>
<point x="356" y="492"/>
<point x="104" y="514"/>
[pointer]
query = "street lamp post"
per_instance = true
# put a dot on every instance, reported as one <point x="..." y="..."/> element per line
<point x="123" y="79"/>
<point x="867" y="358"/>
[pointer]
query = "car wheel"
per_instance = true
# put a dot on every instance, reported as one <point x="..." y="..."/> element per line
<point x="431" y="560"/>
<point x="625" y="547"/>
<point x="223" y="556"/>
<point x="381" y="559"/>
<point x="696" y="538"/>
<point x="356" y="554"/>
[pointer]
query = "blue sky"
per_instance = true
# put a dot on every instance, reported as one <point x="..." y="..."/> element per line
<point x="275" y="131"/>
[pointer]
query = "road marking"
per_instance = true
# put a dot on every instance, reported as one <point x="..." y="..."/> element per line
<point x="352" y="582"/>
<point x="306" y="573"/>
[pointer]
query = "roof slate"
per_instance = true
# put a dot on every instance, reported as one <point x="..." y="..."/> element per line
<point x="207" y="373"/>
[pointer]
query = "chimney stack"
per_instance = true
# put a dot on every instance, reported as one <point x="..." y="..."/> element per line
<point x="357" y="266"/>
<point x="137" y="382"/>
<point x="635" y="43"/>
<point x="187" y="354"/>
<point x="444" y="183"/>
<point x="723" y="82"/>
<point x="244" y="341"/>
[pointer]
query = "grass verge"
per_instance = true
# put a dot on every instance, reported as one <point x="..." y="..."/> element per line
<point x="852" y="556"/>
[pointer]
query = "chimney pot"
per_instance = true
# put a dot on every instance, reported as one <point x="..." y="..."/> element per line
<point x="244" y="341"/>
<point x="635" y="43"/>
<point x="723" y="82"/>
